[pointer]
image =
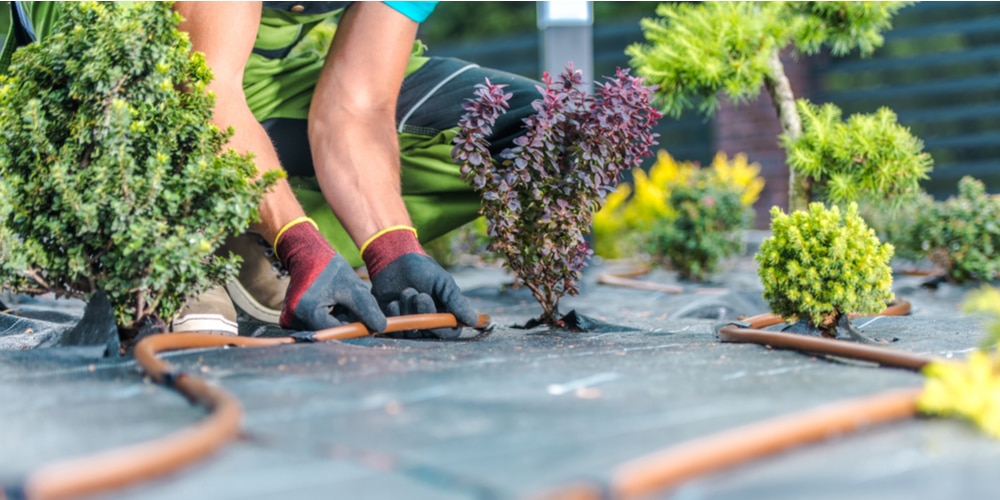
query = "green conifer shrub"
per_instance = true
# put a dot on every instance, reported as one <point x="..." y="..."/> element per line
<point x="822" y="264"/>
<point x="960" y="235"/>
<point x="897" y="223"/>
<point x="707" y="229"/>
<point x="111" y="175"/>
<point x="697" y="51"/>
<point x="867" y="154"/>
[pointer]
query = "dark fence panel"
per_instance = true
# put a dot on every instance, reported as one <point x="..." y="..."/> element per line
<point x="939" y="70"/>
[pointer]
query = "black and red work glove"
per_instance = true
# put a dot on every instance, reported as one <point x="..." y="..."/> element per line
<point x="405" y="280"/>
<point x="323" y="291"/>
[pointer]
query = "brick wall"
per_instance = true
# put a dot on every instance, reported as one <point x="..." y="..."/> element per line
<point x="752" y="128"/>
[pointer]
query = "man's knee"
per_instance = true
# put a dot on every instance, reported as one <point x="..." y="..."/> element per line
<point x="432" y="97"/>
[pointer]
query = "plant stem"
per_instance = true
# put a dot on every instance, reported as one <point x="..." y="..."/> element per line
<point x="37" y="277"/>
<point x="550" y="304"/>
<point x="778" y="86"/>
<point x="140" y="308"/>
<point x="88" y="152"/>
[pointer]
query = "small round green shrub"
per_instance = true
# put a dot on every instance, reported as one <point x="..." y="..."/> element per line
<point x="961" y="235"/>
<point x="821" y="264"/>
<point x="708" y="228"/>
<point x="897" y="221"/>
<point x="112" y="176"/>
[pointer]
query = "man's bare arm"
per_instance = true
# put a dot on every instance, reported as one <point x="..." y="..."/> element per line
<point x="352" y="119"/>
<point x="323" y="291"/>
<point x="225" y="33"/>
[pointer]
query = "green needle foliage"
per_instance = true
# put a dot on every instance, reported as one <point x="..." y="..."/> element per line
<point x="696" y="51"/>
<point x="840" y="26"/>
<point x="111" y="175"/>
<point x="865" y="154"/>
<point x="821" y="264"/>
<point x="961" y="235"/>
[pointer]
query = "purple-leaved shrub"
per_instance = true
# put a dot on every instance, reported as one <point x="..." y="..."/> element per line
<point x="540" y="195"/>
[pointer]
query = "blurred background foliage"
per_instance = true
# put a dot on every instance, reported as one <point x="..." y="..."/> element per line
<point x="939" y="71"/>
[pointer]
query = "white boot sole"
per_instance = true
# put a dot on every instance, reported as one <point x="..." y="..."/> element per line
<point x="204" y="323"/>
<point x="246" y="303"/>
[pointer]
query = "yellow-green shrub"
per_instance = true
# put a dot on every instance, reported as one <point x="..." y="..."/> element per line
<point x="822" y="264"/>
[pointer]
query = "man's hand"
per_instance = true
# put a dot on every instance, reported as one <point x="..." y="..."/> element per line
<point x="324" y="291"/>
<point x="407" y="281"/>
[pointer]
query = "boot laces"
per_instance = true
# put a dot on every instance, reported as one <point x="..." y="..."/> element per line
<point x="276" y="264"/>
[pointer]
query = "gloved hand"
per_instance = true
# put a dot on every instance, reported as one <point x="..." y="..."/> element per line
<point x="323" y="290"/>
<point x="405" y="280"/>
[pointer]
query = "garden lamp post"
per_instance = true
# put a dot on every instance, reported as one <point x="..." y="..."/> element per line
<point x="565" y="28"/>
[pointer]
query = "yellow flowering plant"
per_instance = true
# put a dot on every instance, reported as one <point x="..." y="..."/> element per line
<point x="740" y="173"/>
<point x="970" y="389"/>
<point x="622" y="227"/>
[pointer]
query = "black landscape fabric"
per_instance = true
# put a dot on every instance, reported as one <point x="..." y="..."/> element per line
<point x="505" y="414"/>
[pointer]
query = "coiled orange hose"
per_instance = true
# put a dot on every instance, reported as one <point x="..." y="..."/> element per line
<point x="640" y="477"/>
<point x="120" y="467"/>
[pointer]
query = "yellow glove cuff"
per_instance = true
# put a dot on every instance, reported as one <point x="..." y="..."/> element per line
<point x="287" y="226"/>
<point x="386" y="230"/>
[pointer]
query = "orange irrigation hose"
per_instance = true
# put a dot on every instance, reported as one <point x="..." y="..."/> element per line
<point x="616" y="280"/>
<point x="916" y="271"/>
<point x="123" y="466"/>
<point x="711" y="453"/>
<point x="624" y="279"/>
<point x="633" y="270"/>
<point x="816" y="345"/>
<point x="669" y="468"/>
<point x="895" y="308"/>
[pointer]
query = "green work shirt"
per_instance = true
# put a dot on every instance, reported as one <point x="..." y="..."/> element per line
<point x="43" y="17"/>
<point x="288" y="53"/>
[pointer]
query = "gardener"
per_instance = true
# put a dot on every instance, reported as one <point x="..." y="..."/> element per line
<point x="362" y="124"/>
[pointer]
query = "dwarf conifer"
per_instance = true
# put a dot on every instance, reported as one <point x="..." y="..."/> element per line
<point x="112" y="176"/>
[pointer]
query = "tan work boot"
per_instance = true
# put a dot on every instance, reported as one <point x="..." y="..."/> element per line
<point x="210" y="312"/>
<point x="259" y="288"/>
